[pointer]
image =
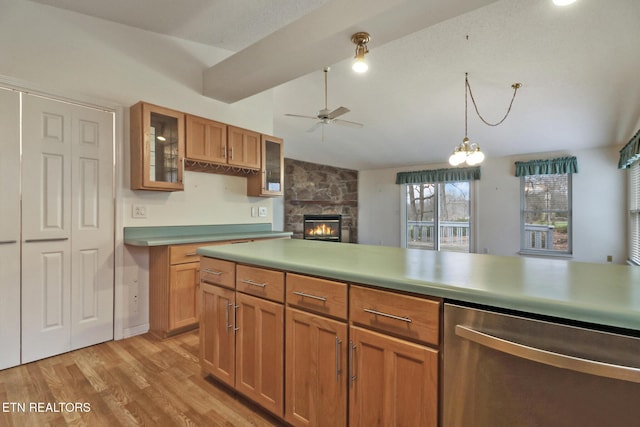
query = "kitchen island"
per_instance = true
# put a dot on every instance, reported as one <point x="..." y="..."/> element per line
<point x="322" y="333"/>
<point x="602" y="294"/>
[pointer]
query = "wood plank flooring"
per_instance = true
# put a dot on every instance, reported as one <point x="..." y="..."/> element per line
<point x="140" y="381"/>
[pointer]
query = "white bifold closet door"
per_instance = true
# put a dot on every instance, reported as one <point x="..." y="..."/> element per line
<point x="67" y="227"/>
<point x="9" y="228"/>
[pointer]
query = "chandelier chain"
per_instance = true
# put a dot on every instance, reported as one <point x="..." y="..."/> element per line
<point x="515" y="87"/>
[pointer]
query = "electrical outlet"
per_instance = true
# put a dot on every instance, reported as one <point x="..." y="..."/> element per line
<point x="262" y="211"/>
<point x="139" y="211"/>
<point x="609" y="258"/>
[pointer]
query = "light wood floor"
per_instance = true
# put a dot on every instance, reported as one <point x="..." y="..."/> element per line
<point x="137" y="381"/>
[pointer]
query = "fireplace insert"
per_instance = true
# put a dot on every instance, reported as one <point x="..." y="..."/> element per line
<point x="323" y="227"/>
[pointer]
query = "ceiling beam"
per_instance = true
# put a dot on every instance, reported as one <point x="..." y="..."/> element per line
<point x="323" y="38"/>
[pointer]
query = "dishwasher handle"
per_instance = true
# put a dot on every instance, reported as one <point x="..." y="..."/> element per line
<point x="591" y="367"/>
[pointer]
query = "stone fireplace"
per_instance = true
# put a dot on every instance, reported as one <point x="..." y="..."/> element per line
<point x="314" y="189"/>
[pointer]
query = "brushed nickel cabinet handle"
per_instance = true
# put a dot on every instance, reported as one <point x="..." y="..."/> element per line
<point x="53" y="239"/>
<point x="305" y="295"/>
<point x="227" y="325"/>
<point x="208" y="270"/>
<point x="191" y="254"/>
<point x="559" y="360"/>
<point x="352" y="350"/>
<point x="252" y="283"/>
<point x="338" y="370"/>
<point x="7" y="242"/>
<point x="390" y="316"/>
<point x="235" y="318"/>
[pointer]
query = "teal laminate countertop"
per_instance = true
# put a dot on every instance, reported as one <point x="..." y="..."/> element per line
<point x="176" y="235"/>
<point x="603" y="294"/>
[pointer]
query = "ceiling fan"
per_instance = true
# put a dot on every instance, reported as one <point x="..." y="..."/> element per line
<point x="325" y="116"/>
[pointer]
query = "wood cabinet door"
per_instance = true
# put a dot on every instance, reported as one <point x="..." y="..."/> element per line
<point x="260" y="351"/>
<point x="217" y="338"/>
<point x="316" y="356"/>
<point x="394" y="382"/>
<point x="244" y="147"/>
<point x="206" y="140"/>
<point x="184" y="306"/>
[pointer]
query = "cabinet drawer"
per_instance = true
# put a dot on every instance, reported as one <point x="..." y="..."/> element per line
<point x="403" y="315"/>
<point x="260" y="282"/>
<point x="319" y="295"/>
<point x="185" y="253"/>
<point x="218" y="272"/>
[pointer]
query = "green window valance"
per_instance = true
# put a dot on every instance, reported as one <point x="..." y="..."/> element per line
<point x="630" y="152"/>
<point x="439" y="175"/>
<point x="559" y="165"/>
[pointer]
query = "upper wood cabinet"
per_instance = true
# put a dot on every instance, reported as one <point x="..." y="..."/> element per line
<point x="157" y="148"/>
<point x="243" y="148"/>
<point x="206" y="140"/>
<point x="270" y="180"/>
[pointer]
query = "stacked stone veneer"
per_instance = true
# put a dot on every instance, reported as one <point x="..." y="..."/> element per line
<point x="313" y="189"/>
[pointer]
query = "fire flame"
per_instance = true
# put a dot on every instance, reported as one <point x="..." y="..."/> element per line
<point x="321" y="230"/>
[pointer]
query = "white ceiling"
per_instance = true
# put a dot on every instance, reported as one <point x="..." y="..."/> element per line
<point x="578" y="67"/>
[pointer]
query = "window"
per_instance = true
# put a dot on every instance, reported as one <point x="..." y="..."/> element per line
<point x="546" y="214"/>
<point x="634" y="212"/>
<point x="438" y="216"/>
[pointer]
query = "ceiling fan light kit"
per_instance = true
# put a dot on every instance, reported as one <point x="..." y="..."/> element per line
<point x="467" y="151"/>
<point x="326" y="116"/>
<point x="360" y="39"/>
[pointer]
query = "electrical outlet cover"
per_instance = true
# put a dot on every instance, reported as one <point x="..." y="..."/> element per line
<point x="262" y="211"/>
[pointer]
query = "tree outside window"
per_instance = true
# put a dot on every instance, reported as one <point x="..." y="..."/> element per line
<point x="546" y="213"/>
<point x="438" y="216"/>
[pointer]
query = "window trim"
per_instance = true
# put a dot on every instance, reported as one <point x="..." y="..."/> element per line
<point x="545" y="252"/>
<point x="633" y="209"/>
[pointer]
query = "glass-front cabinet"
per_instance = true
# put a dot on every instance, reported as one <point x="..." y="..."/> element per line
<point x="270" y="180"/>
<point x="157" y="148"/>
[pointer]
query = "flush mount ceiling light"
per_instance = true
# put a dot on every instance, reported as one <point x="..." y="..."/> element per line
<point x="360" y="39"/>
<point x="469" y="152"/>
<point x="563" y="2"/>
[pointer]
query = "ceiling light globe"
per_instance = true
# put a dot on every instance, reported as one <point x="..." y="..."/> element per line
<point x="475" y="158"/>
<point x="457" y="158"/>
<point x="563" y="2"/>
<point x="360" y="66"/>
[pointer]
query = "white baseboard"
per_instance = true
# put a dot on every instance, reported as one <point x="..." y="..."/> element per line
<point x="137" y="330"/>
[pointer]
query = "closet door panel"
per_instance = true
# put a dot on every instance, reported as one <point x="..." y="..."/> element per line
<point x="68" y="226"/>
<point x="92" y="227"/>
<point x="9" y="228"/>
<point x="46" y="228"/>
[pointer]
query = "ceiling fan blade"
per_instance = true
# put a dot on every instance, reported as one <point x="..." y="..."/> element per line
<point x="304" y="117"/>
<point x="314" y="127"/>
<point x="348" y="123"/>
<point x="338" y="112"/>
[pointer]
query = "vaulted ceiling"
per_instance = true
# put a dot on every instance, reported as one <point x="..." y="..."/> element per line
<point x="577" y="66"/>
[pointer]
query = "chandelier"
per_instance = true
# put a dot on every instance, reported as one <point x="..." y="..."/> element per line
<point x="467" y="151"/>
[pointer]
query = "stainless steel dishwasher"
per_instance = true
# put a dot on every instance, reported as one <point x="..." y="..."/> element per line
<point x="506" y="370"/>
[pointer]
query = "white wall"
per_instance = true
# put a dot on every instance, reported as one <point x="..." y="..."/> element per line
<point x="599" y="203"/>
<point x="99" y="62"/>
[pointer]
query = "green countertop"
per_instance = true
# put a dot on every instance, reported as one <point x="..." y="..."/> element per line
<point x="604" y="294"/>
<point x="176" y="235"/>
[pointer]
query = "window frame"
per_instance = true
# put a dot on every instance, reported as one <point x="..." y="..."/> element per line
<point x="633" y="205"/>
<point x="472" y="213"/>
<point x="547" y="252"/>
